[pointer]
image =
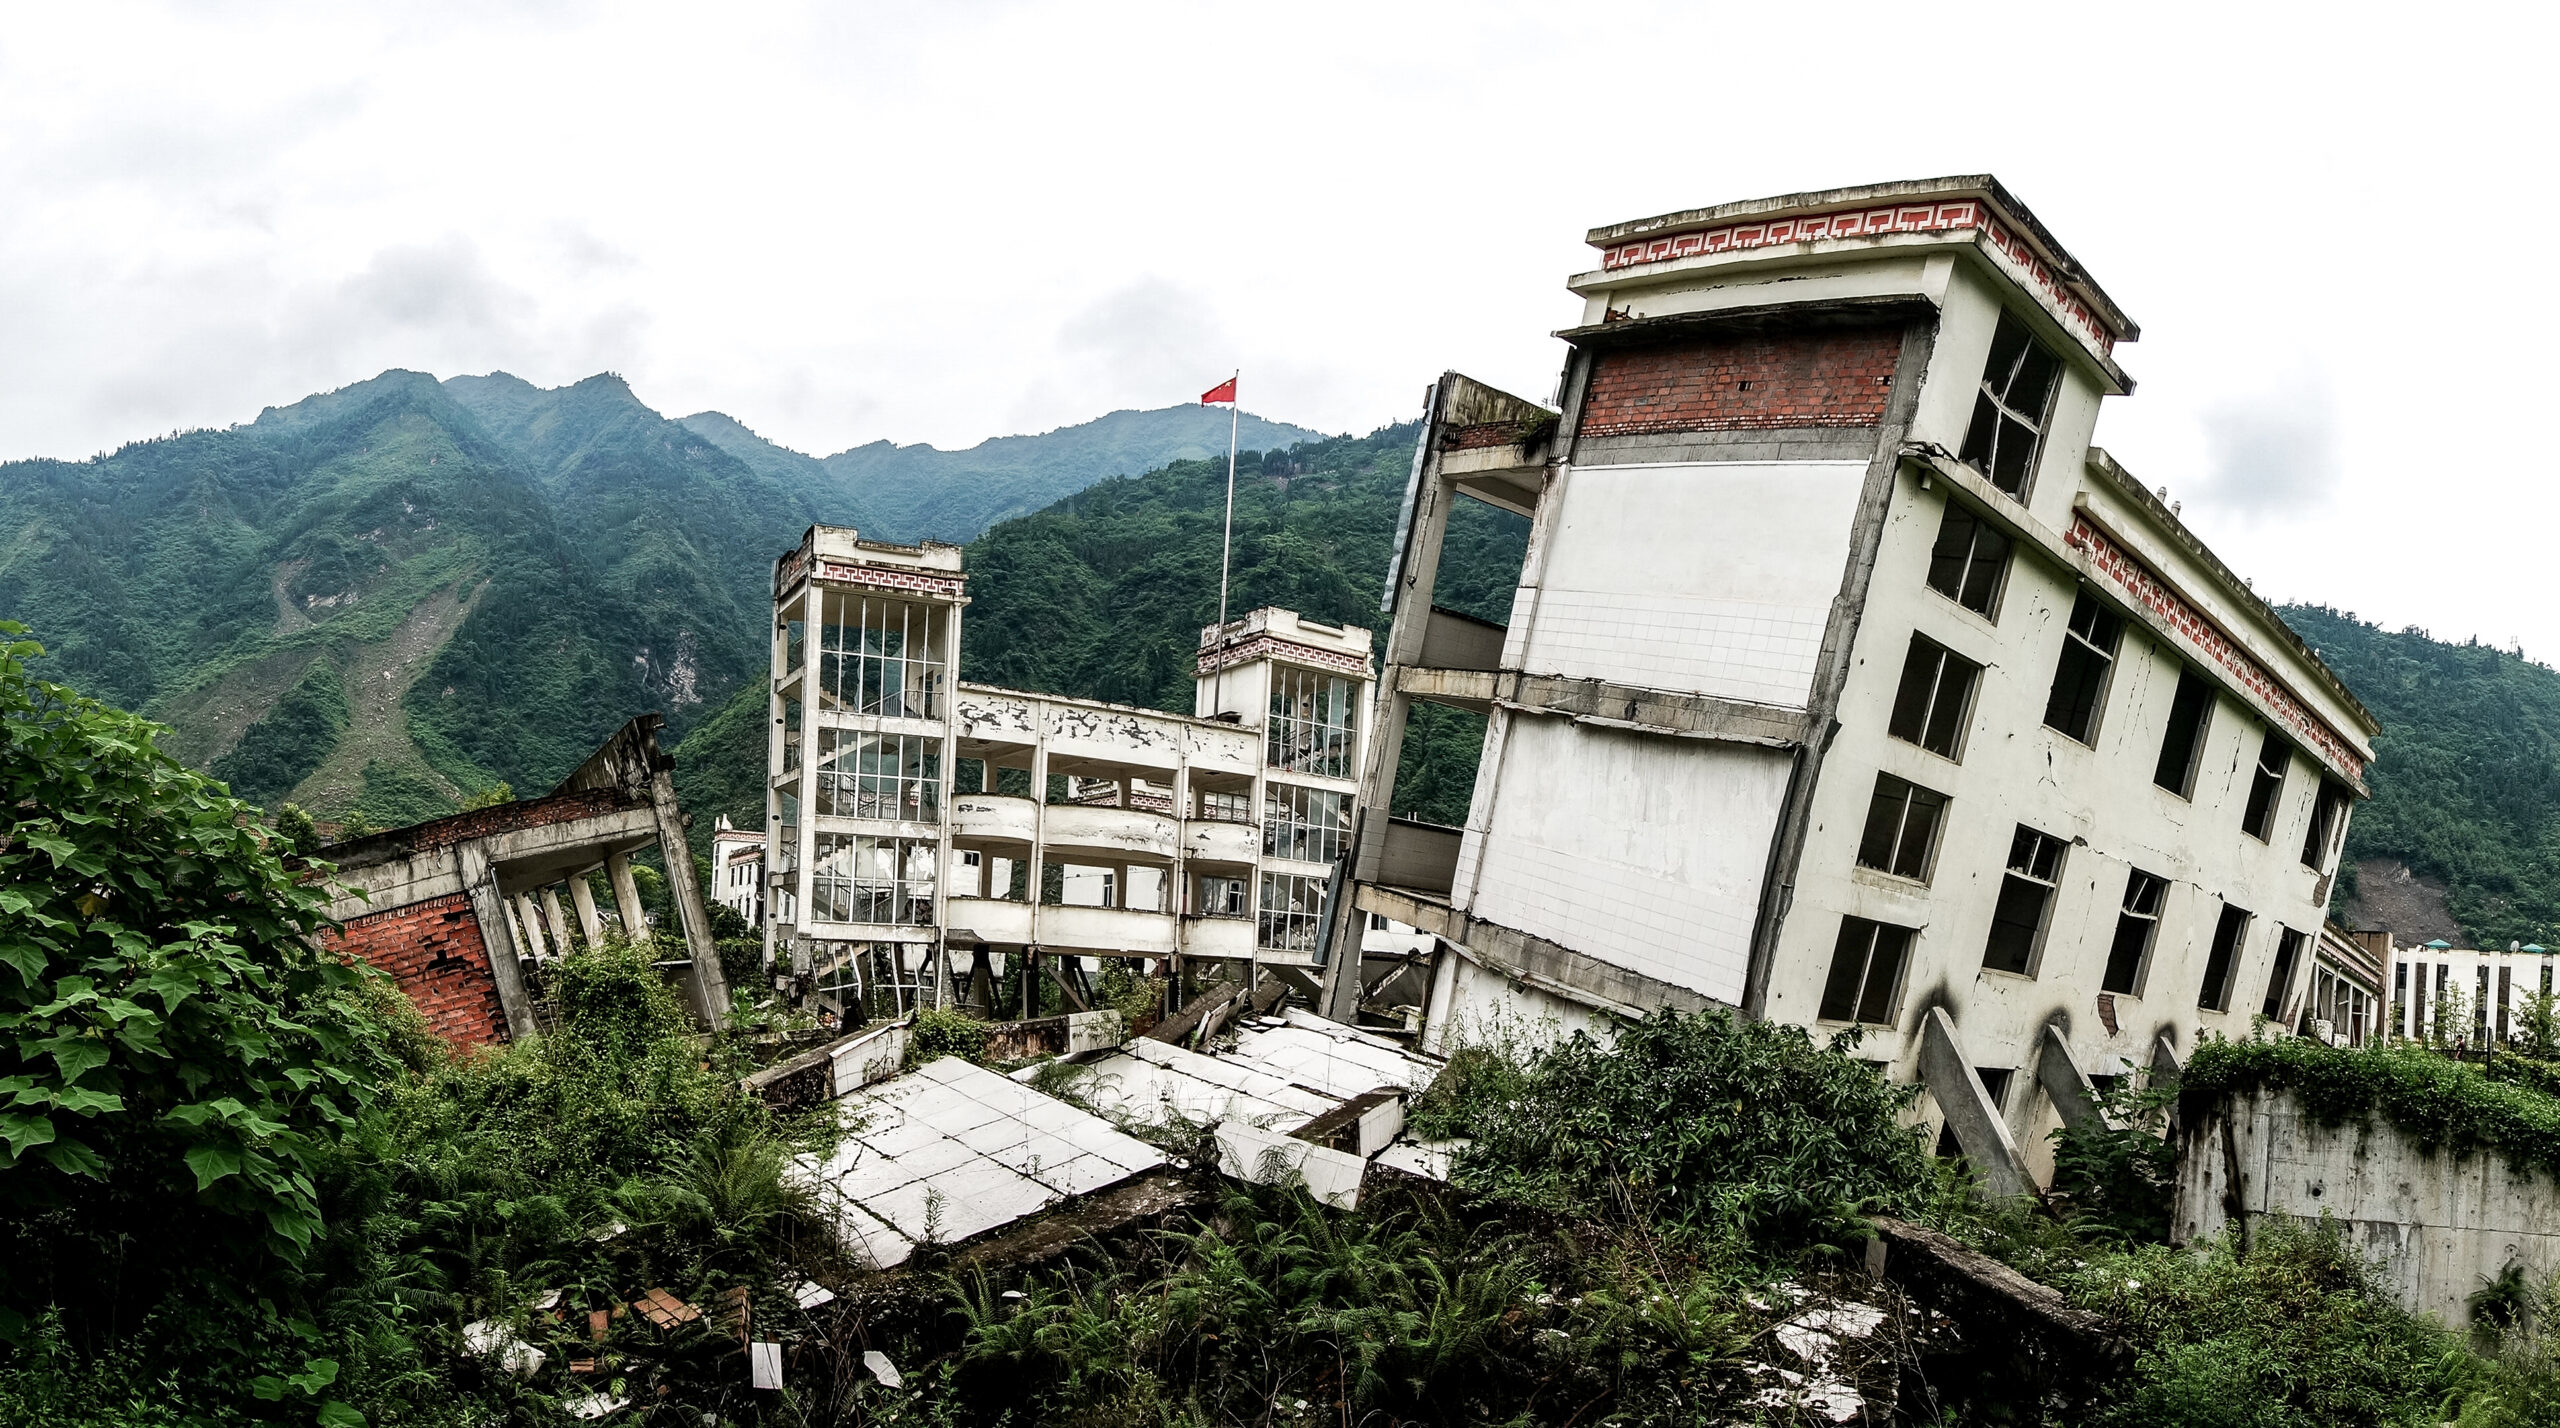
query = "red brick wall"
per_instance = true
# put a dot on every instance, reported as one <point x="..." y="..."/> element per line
<point x="434" y="951"/>
<point x="1747" y="383"/>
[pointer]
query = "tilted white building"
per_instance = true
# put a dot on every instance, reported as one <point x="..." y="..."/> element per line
<point x="1846" y="683"/>
<point x="922" y="826"/>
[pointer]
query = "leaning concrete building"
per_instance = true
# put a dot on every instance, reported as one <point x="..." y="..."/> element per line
<point x="924" y="829"/>
<point x="1847" y="683"/>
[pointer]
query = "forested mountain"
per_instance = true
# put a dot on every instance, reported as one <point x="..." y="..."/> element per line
<point x="1104" y="594"/>
<point x="387" y="598"/>
<point x="2465" y="779"/>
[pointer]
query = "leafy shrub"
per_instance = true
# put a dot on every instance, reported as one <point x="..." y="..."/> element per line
<point x="945" y="1031"/>
<point x="1703" y="1124"/>
<point x="2439" y="1103"/>
<point x="2119" y="1184"/>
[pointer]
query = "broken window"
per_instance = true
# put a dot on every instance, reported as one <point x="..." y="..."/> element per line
<point x="856" y="877"/>
<point x="1311" y="725"/>
<point x="2266" y="787"/>
<point x="1221" y="897"/>
<point x="887" y="776"/>
<point x="1226" y="807"/>
<point x="1902" y="828"/>
<point x="2009" y="412"/>
<point x="2026" y="895"/>
<point x="2137" y="926"/>
<point x="1292" y="914"/>
<point x="1866" y="971"/>
<point x="2324" y="823"/>
<point x="1937" y="690"/>
<point x="1969" y="560"/>
<point x="2080" y="678"/>
<point x="881" y="656"/>
<point x="2182" y="747"/>
<point x="1995" y="1083"/>
<point x="1306" y="825"/>
<point x="2288" y="951"/>
<point x="2223" y="959"/>
<point x="791" y="735"/>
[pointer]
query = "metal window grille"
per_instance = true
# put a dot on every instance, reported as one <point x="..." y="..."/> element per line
<point x="1226" y="807"/>
<point x="883" y="657"/>
<point x="857" y="877"/>
<point x="1292" y="913"/>
<point x="887" y="776"/>
<point x="1310" y="730"/>
<point x="1307" y="825"/>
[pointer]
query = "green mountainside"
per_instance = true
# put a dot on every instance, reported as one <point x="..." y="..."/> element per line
<point x="911" y="493"/>
<point x="385" y="599"/>
<point x="2465" y="780"/>
<point x="1104" y="595"/>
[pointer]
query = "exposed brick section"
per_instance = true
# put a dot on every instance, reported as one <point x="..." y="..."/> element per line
<point x="433" y="949"/>
<point x="478" y="823"/>
<point x="1495" y="433"/>
<point x="1759" y="382"/>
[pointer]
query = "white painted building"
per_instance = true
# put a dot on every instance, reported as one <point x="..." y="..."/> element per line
<point x="1846" y="683"/>
<point x="737" y="870"/>
<point x="2467" y="996"/>
<point x="924" y="826"/>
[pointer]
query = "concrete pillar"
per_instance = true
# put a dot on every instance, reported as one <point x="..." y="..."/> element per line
<point x="626" y="896"/>
<point x="710" y="984"/>
<point x="2073" y="1096"/>
<point x="982" y="982"/>
<point x="1976" y="1122"/>
<point x="553" y="921"/>
<point x="1039" y="823"/>
<point x="529" y="925"/>
<point x="582" y="896"/>
<point x="489" y="909"/>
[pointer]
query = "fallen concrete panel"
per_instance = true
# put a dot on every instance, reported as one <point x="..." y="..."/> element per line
<point x="1260" y="1157"/>
<point x="952" y="1151"/>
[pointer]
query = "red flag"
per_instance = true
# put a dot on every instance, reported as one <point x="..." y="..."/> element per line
<point x="1223" y="392"/>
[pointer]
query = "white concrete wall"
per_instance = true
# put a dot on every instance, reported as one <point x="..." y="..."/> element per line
<point x="1706" y="579"/>
<point x="2436" y="1226"/>
<point x="1650" y="851"/>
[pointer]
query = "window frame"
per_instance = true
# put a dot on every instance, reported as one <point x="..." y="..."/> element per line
<point x="2190" y="679"/>
<point x="2128" y="913"/>
<point x="1996" y="395"/>
<point x="1909" y="796"/>
<point x="1989" y="609"/>
<point x="1865" y="992"/>
<point x="1930" y="704"/>
<point x="2271" y="783"/>
<point x="1295" y="826"/>
<point x="2289" y="945"/>
<point x="2214" y="995"/>
<point x="2108" y="658"/>
<point x="2328" y="801"/>
<point x="2036" y="842"/>
<point x="1283" y="913"/>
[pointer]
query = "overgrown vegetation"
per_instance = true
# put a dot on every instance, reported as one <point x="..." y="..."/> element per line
<point x="2438" y="1102"/>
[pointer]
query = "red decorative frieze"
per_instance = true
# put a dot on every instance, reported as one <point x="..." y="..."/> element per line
<point x="1273" y="647"/>
<point x="1958" y="216"/>
<point x="2148" y="591"/>
<point x="881" y="577"/>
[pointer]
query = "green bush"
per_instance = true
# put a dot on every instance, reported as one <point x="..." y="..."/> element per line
<point x="945" y="1031"/>
<point x="2439" y="1103"/>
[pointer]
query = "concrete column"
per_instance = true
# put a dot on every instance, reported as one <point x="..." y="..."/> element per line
<point x="552" y="919"/>
<point x="2074" y="1097"/>
<point x="626" y="896"/>
<point x="710" y="985"/>
<point x="529" y="925"/>
<point x="982" y="982"/>
<point x="489" y="909"/>
<point x="1976" y="1122"/>
<point x="1039" y="820"/>
<point x="582" y="896"/>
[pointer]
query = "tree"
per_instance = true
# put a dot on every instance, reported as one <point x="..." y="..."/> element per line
<point x="177" y="1052"/>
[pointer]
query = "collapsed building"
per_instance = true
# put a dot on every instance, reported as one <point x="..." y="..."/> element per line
<point x="1847" y="683"/>
<point x="463" y="911"/>
<point x="924" y="830"/>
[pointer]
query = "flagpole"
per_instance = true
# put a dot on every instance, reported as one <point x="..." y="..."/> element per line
<point x="1226" y="539"/>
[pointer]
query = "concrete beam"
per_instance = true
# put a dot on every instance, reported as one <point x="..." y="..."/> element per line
<point x="1977" y="1123"/>
<point x="2070" y="1089"/>
<point x="1654" y="711"/>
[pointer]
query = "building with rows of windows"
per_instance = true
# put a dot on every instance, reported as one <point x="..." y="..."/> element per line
<point x="924" y="830"/>
<point x="1847" y="683"/>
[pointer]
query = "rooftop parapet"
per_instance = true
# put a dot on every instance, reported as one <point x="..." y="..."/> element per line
<point x="1287" y="635"/>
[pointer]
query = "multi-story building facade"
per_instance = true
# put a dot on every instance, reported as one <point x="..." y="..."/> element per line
<point x="2466" y="996"/>
<point x="737" y="870"/>
<point x="924" y="829"/>
<point x="1846" y="683"/>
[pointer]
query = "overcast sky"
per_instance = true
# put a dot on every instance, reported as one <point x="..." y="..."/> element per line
<point x="948" y="222"/>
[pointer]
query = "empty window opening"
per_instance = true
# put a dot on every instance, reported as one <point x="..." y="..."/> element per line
<point x="2010" y="411"/>
<point x="1937" y="690"/>
<point x="2325" y="811"/>
<point x="2137" y="928"/>
<point x="2266" y="787"/>
<point x="1866" y="972"/>
<point x="1902" y="828"/>
<point x="859" y="878"/>
<point x="2480" y="1005"/>
<point x="1292" y="914"/>
<point x="2182" y="747"/>
<point x="888" y="776"/>
<point x="1311" y="729"/>
<point x="1222" y="897"/>
<point x="2080" y="678"/>
<point x="2026" y="897"/>
<point x="2223" y="959"/>
<point x="1995" y="1083"/>
<point x="2288" y="952"/>
<point x="2506" y="995"/>
<point x="1969" y="562"/>
<point x="882" y="657"/>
